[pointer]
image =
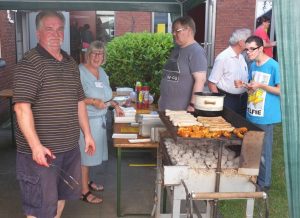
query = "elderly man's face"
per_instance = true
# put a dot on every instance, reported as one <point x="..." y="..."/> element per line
<point x="51" y="33"/>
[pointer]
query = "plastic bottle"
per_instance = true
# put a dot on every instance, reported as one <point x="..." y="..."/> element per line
<point x="137" y="84"/>
<point x="139" y="95"/>
<point x="145" y="90"/>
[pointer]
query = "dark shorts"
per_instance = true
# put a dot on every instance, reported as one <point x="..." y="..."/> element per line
<point x="42" y="187"/>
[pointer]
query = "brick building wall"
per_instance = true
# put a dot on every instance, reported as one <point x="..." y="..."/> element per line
<point x="231" y="15"/>
<point x="132" y="22"/>
<point x="8" y="53"/>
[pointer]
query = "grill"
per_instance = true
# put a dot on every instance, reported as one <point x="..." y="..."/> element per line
<point x="191" y="180"/>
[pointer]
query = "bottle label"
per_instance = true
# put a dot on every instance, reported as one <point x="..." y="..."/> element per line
<point x="140" y="97"/>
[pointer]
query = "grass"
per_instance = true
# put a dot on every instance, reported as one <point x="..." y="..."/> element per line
<point x="278" y="203"/>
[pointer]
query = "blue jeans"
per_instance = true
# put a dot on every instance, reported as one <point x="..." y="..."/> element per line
<point x="265" y="168"/>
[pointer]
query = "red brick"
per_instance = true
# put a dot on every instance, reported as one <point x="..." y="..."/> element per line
<point x="132" y="22"/>
<point x="231" y="15"/>
<point x="8" y="53"/>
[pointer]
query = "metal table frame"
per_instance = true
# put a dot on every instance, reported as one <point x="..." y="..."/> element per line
<point x="8" y="93"/>
<point x="124" y="146"/>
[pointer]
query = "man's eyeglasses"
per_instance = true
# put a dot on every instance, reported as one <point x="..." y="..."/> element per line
<point x="179" y="30"/>
<point x="251" y="49"/>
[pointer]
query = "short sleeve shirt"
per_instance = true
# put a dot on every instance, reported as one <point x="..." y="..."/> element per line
<point x="177" y="81"/>
<point x="264" y="107"/>
<point x="264" y="35"/>
<point x="95" y="88"/>
<point x="228" y="67"/>
<point x="53" y="89"/>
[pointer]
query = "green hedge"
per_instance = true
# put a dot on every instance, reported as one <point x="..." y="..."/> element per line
<point x="138" y="57"/>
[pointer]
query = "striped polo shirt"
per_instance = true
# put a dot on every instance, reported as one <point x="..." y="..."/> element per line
<point x="53" y="89"/>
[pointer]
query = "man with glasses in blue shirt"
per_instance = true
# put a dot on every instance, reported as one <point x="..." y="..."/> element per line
<point x="263" y="101"/>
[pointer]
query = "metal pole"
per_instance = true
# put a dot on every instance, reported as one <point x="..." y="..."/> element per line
<point x="218" y="176"/>
<point x="12" y="122"/>
<point x="119" y="154"/>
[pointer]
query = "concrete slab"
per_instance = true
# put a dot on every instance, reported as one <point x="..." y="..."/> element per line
<point x="137" y="190"/>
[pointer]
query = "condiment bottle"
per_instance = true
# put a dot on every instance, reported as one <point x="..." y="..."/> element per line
<point x="139" y="95"/>
<point x="145" y="90"/>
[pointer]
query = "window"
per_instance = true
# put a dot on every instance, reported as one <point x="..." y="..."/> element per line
<point x="105" y="25"/>
<point x="160" y="22"/>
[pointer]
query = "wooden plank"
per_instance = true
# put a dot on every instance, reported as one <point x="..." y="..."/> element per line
<point x="124" y="143"/>
<point x="251" y="152"/>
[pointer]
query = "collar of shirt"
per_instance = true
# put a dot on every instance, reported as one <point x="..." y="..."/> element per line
<point x="42" y="51"/>
<point x="232" y="53"/>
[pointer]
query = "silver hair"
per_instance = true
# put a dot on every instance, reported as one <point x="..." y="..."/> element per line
<point x="41" y="15"/>
<point x="239" y="34"/>
<point x="96" y="45"/>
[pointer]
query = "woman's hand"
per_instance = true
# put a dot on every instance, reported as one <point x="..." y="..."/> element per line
<point x="90" y="146"/>
<point x="119" y="111"/>
<point x="99" y="104"/>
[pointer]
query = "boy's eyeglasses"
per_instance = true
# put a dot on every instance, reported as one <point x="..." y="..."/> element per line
<point x="251" y="49"/>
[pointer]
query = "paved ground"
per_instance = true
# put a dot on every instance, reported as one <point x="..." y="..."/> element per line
<point x="137" y="190"/>
<point x="137" y="195"/>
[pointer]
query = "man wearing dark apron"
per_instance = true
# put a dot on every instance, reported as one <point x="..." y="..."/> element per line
<point x="185" y="71"/>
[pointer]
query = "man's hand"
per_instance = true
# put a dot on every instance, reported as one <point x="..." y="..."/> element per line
<point x="190" y="108"/>
<point x="39" y="155"/>
<point x="90" y="147"/>
<point x="254" y="85"/>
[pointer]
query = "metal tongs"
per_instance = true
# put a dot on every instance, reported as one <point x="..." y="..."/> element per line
<point x="62" y="173"/>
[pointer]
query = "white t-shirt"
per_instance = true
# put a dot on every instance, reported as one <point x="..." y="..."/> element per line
<point x="227" y="68"/>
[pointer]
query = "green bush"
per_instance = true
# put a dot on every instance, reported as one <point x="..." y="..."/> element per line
<point x="138" y="57"/>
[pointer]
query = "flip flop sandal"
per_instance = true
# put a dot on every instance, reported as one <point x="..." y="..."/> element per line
<point x="84" y="197"/>
<point x="94" y="187"/>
